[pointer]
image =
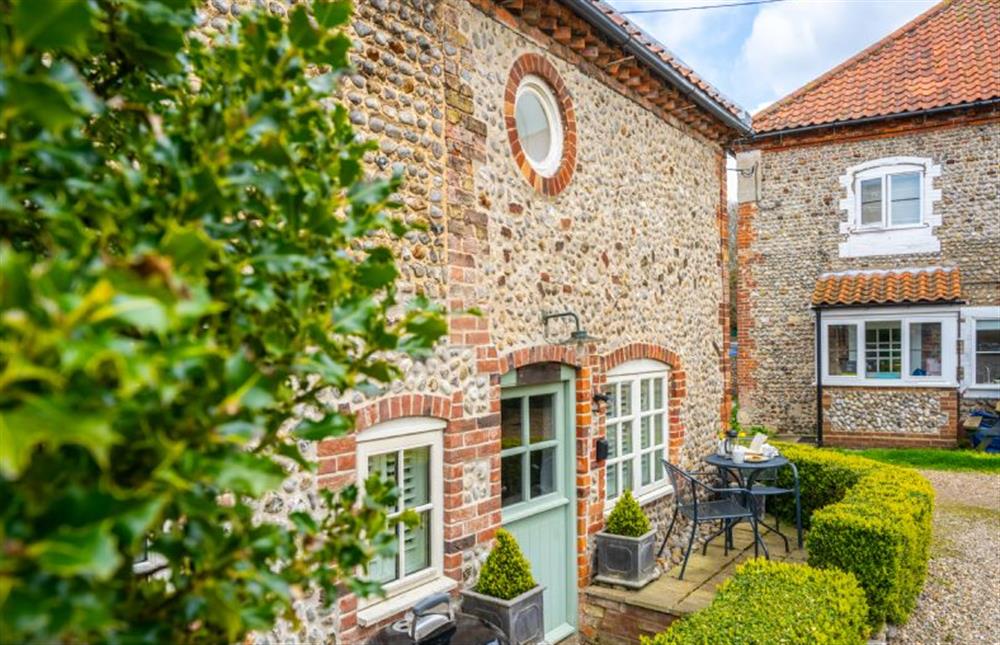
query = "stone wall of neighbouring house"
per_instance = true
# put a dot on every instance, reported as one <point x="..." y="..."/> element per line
<point x="896" y="416"/>
<point x="791" y="235"/>
<point x="635" y="244"/>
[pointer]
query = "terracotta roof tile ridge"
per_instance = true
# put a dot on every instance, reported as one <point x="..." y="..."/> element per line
<point x="882" y="272"/>
<point x="853" y="60"/>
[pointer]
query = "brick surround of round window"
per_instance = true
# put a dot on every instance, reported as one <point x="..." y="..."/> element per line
<point x="535" y="65"/>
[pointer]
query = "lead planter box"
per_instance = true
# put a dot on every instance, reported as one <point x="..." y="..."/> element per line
<point x="626" y="561"/>
<point x="521" y="618"/>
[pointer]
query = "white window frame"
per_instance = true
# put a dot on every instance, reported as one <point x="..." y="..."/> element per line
<point x="972" y="389"/>
<point x="885" y="174"/>
<point x="396" y="436"/>
<point x="885" y="238"/>
<point x="537" y="86"/>
<point x="635" y="372"/>
<point x="904" y="316"/>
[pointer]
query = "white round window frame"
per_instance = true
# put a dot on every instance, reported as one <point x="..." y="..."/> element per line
<point x="549" y="166"/>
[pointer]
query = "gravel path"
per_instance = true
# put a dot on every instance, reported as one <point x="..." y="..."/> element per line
<point x="961" y="598"/>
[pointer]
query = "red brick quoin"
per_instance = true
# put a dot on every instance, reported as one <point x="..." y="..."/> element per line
<point x="535" y="65"/>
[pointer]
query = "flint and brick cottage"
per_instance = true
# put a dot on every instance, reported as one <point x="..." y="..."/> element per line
<point x="564" y="163"/>
<point x="868" y="238"/>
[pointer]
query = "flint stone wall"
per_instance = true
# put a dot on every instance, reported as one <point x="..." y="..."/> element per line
<point x="793" y="236"/>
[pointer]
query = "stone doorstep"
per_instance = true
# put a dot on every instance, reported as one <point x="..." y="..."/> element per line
<point x="704" y="574"/>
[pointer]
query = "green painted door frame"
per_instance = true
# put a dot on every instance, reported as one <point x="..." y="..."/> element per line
<point x="540" y="521"/>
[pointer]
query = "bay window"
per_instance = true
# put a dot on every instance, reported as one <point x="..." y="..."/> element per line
<point x="877" y="347"/>
<point x="636" y="423"/>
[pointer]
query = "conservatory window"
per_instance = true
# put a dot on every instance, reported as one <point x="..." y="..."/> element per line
<point x="987" y="352"/>
<point x="883" y="349"/>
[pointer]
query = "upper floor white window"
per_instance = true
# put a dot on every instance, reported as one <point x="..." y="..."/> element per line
<point x="890" y="207"/>
<point x="890" y="199"/>
<point x="408" y="451"/>
<point x="636" y="424"/>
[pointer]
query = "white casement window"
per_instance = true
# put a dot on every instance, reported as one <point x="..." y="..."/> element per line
<point x="890" y="199"/>
<point x="890" y="207"/>
<point x="883" y="347"/>
<point x="637" y="430"/>
<point x="408" y="451"/>
<point x="981" y="358"/>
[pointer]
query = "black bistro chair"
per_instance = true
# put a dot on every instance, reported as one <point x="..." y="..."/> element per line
<point x="701" y="503"/>
<point x="769" y="484"/>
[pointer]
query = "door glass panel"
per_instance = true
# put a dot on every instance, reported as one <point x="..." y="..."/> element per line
<point x="543" y="471"/>
<point x="626" y="437"/>
<point x="612" y="483"/>
<point x="416" y="476"/>
<point x="418" y="545"/>
<point x="625" y="400"/>
<point x="511" y="480"/>
<point x="644" y="433"/>
<point x="541" y="418"/>
<point x="612" y="440"/>
<point x="658" y="394"/>
<point x="510" y="423"/>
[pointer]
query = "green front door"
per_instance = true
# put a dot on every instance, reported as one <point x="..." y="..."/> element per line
<point x="537" y="468"/>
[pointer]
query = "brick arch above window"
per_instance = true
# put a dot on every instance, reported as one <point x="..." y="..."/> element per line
<point x="538" y="354"/>
<point x="528" y="65"/>
<point x="404" y="405"/>
<point x="678" y="380"/>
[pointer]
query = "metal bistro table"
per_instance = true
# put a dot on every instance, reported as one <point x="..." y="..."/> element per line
<point x="746" y="474"/>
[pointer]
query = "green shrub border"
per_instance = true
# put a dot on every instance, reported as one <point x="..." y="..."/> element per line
<point x="777" y="602"/>
<point x="868" y="518"/>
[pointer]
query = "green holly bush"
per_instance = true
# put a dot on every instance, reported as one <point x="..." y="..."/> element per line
<point x="627" y="518"/>
<point x="506" y="573"/>
<point x="190" y="253"/>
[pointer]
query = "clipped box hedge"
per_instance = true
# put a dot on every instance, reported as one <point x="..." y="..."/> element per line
<point x="776" y="602"/>
<point x="868" y="518"/>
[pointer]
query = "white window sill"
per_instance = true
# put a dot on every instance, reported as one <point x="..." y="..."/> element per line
<point x="833" y="381"/>
<point x="383" y="609"/>
<point x="646" y="498"/>
<point x="982" y="392"/>
<point x="885" y="229"/>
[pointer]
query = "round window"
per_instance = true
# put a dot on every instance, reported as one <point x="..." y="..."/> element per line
<point x="541" y="124"/>
<point x="539" y="127"/>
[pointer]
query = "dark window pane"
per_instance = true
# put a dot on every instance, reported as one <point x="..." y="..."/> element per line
<point x="925" y="349"/>
<point x="543" y="471"/>
<point x="842" y="350"/>
<point x="541" y="418"/>
<point x="510" y="423"/>
<point x="511" y="480"/>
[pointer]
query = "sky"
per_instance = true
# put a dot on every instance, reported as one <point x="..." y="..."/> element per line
<point x="756" y="54"/>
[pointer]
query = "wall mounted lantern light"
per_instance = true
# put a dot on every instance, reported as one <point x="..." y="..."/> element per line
<point x="578" y="335"/>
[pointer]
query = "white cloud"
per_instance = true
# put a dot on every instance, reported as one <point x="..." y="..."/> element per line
<point x="793" y="42"/>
